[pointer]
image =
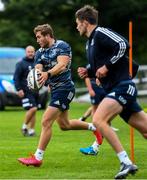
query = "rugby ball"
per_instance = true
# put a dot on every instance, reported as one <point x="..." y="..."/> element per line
<point x="32" y="79"/>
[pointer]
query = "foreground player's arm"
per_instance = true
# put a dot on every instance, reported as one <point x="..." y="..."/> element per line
<point x="82" y="72"/>
<point x="61" y="66"/>
<point x="90" y="72"/>
<point x="102" y="72"/>
<point x="115" y="46"/>
<point x="39" y="66"/>
<point x="89" y="87"/>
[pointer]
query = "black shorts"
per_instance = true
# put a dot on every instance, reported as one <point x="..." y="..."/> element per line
<point x="99" y="95"/>
<point x="30" y="100"/>
<point x="125" y="93"/>
<point x="62" y="98"/>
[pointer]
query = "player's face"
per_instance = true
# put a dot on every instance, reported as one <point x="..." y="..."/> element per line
<point x="81" y="27"/>
<point x="42" y="40"/>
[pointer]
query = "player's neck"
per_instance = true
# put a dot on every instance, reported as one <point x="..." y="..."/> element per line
<point x="90" y="29"/>
<point x="51" y="42"/>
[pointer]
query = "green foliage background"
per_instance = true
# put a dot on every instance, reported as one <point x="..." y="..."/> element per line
<point x="20" y="17"/>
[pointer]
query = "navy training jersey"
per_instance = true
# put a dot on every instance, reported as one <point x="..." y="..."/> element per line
<point x="21" y="72"/>
<point x="106" y="47"/>
<point x="48" y="58"/>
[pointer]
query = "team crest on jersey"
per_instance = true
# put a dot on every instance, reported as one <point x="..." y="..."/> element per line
<point x="53" y="53"/>
<point x="43" y="57"/>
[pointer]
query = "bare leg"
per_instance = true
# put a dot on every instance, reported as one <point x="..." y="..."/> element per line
<point x="49" y="116"/>
<point x="31" y="130"/>
<point x="139" y="122"/>
<point x="107" y="109"/>
<point x="32" y="122"/>
<point x="66" y="124"/>
<point x="30" y="119"/>
<point x="29" y="114"/>
<point x="73" y="124"/>
<point x="86" y="114"/>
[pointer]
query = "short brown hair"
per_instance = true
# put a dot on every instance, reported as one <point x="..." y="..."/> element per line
<point x="44" y="29"/>
<point x="88" y="13"/>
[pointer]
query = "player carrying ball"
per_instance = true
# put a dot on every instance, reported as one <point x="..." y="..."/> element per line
<point x="54" y="60"/>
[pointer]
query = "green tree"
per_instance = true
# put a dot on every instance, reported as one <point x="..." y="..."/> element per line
<point x="20" y="17"/>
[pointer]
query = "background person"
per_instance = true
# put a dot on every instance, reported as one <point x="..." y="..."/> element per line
<point x="86" y="114"/>
<point x="29" y="98"/>
<point x="96" y="93"/>
<point x="108" y="61"/>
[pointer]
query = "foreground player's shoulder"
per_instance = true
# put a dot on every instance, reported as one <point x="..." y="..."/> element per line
<point x="62" y="44"/>
<point x="100" y="31"/>
<point x="108" y="32"/>
<point x="63" y="48"/>
<point x="39" y="51"/>
<point x="38" y="55"/>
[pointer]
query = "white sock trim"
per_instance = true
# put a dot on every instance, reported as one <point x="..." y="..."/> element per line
<point x="91" y="127"/>
<point x="24" y="126"/>
<point x="124" y="158"/>
<point x="39" y="154"/>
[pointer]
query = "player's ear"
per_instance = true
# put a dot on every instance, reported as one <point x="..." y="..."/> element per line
<point x="86" y="22"/>
<point x="47" y="36"/>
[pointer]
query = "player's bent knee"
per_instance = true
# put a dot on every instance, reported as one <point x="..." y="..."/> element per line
<point x="45" y="123"/>
<point x="64" y="127"/>
<point x="97" y="123"/>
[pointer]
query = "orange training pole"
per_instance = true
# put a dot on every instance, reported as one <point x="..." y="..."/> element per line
<point x="131" y="72"/>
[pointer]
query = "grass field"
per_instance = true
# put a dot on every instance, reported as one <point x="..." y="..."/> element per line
<point x="62" y="158"/>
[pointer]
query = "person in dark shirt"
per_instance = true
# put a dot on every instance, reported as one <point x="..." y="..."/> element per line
<point x="107" y="55"/>
<point x="29" y="98"/>
<point x="54" y="60"/>
<point x="97" y="94"/>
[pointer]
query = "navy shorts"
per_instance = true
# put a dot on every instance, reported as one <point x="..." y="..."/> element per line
<point x="99" y="94"/>
<point x="125" y="93"/>
<point x="62" y="98"/>
<point x="30" y="100"/>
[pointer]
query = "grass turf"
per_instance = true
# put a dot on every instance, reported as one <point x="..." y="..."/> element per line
<point x="62" y="159"/>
